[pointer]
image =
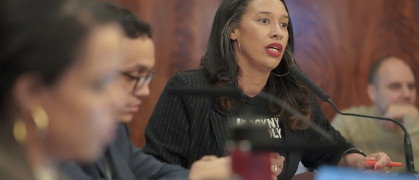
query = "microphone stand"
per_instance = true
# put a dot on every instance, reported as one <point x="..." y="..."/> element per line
<point x="410" y="167"/>
<point x="237" y="93"/>
<point x="300" y="116"/>
<point x="255" y="137"/>
<point x="408" y="151"/>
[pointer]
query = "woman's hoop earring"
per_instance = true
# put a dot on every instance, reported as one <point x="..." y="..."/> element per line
<point x="19" y="130"/>
<point x="41" y="120"/>
<point x="292" y="64"/>
<point x="240" y="49"/>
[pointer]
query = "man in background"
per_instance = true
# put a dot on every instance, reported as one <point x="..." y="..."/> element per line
<point x="392" y="89"/>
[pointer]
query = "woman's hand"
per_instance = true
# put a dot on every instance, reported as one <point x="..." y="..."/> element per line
<point x="211" y="167"/>
<point x="277" y="164"/>
<point x="356" y="160"/>
<point x="382" y="160"/>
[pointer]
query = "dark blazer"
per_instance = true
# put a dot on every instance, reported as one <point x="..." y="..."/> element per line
<point x="182" y="129"/>
<point x="128" y="163"/>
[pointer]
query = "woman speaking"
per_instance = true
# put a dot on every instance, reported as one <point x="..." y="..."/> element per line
<point x="251" y="48"/>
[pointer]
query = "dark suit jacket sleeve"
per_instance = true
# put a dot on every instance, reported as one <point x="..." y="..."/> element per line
<point x="74" y="171"/>
<point x="167" y="132"/>
<point x="145" y="166"/>
<point x="314" y="159"/>
<point x="129" y="163"/>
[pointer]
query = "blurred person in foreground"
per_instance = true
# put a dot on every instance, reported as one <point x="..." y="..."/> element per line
<point x="392" y="90"/>
<point x="59" y="94"/>
<point x="122" y="160"/>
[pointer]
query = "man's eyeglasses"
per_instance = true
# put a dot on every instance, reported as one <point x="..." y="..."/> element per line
<point x="141" y="80"/>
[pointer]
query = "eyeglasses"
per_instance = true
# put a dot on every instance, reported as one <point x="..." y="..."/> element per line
<point x="139" y="81"/>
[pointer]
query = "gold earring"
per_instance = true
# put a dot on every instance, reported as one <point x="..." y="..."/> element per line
<point x="292" y="63"/>
<point x="240" y="49"/>
<point x="41" y="119"/>
<point x="19" y="130"/>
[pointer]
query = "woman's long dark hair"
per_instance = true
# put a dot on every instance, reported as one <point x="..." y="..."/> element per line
<point x="219" y="63"/>
<point x="43" y="38"/>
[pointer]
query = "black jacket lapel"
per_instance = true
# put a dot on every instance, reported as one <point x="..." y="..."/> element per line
<point x="219" y="122"/>
<point x="120" y="165"/>
<point x="98" y="169"/>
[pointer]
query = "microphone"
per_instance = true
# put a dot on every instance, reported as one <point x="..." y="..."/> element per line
<point x="410" y="167"/>
<point x="237" y="93"/>
<point x="250" y="145"/>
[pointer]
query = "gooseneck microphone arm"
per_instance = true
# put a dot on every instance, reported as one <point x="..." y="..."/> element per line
<point x="300" y="116"/>
<point x="410" y="166"/>
<point x="237" y="93"/>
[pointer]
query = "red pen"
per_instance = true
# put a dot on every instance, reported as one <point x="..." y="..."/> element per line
<point x="395" y="164"/>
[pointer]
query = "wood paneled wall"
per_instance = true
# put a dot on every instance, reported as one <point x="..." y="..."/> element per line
<point x="417" y="8"/>
<point x="336" y="42"/>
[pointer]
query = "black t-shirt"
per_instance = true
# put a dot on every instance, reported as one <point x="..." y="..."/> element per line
<point x="255" y="110"/>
